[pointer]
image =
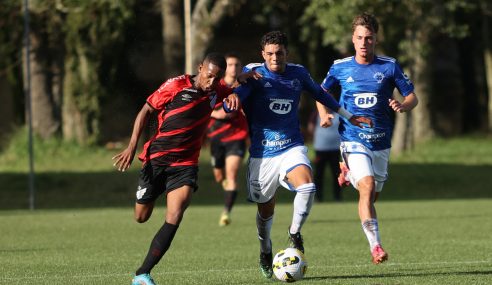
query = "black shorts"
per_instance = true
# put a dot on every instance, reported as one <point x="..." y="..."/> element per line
<point x="220" y="150"/>
<point x="157" y="179"/>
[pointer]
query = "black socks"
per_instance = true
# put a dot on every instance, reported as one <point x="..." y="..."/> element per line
<point x="160" y="244"/>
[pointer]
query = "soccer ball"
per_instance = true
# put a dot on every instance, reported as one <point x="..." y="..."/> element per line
<point x="289" y="265"/>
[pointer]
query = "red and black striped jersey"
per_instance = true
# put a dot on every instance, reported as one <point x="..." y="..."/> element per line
<point x="184" y="113"/>
<point x="233" y="128"/>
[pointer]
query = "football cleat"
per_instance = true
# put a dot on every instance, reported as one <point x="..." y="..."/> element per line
<point x="342" y="177"/>
<point x="296" y="241"/>
<point x="143" y="279"/>
<point x="225" y="219"/>
<point x="266" y="260"/>
<point x="379" y="255"/>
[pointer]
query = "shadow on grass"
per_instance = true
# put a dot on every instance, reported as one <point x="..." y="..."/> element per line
<point x="113" y="189"/>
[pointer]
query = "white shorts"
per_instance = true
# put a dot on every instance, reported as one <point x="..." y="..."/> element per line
<point x="266" y="174"/>
<point x="364" y="162"/>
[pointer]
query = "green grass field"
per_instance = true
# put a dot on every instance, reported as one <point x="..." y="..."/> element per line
<point x="435" y="219"/>
<point x="429" y="242"/>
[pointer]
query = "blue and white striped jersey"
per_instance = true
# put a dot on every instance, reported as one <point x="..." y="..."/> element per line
<point x="271" y="106"/>
<point x="366" y="90"/>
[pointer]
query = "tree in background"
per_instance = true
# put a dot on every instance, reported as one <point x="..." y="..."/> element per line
<point x="421" y="35"/>
<point x="172" y="37"/>
<point x="46" y="60"/>
<point x="207" y="15"/>
<point x="11" y="31"/>
<point x="94" y="34"/>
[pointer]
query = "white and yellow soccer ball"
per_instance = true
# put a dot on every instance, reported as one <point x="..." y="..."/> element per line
<point x="289" y="265"/>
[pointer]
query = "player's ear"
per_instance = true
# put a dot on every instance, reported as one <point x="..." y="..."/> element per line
<point x="199" y="69"/>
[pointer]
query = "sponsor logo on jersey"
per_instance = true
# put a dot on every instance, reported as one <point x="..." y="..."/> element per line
<point x="371" y="137"/>
<point x="281" y="106"/>
<point x="267" y="85"/>
<point x="275" y="143"/>
<point x="365" y="100"/>
<point x="186" y="97"/>
<point x="140" y="192"/>
<point x="350" y="79"/>
<point x="379" y="76"/>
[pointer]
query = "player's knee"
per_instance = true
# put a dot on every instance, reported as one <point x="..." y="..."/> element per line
<point x="143" y="212"/>
<point x="174" y="217"/>
<point x="366" y="185"/>
<point x="141" y="218"/>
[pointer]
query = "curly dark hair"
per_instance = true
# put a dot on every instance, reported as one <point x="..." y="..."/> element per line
<point x="216" y="59"/>
<point x="274" y="38"/>
<point x="367" y="20"/>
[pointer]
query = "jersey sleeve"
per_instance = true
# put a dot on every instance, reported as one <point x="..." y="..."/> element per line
<point x="402" y="82"/>
<point x="330" y="83"/>
<point x="245" y="89"/>
<point x="163" y="95"/>
<point x="318" y="93"/>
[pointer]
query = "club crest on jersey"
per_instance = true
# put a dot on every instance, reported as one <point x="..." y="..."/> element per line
<point x="213" y="99"/>
<point x="296" y="84"/>
<point x="365" y="100"/>
<point x="281" y="106"/>
<point x="379" y="76"/>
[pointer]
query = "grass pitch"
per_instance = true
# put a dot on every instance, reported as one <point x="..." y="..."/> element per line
<point x="435" y="218"/>
<point x="429" y="242"/>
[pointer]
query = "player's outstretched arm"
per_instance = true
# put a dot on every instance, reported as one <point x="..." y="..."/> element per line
<point x="409" y="102"/>
<point x="231" y="103"/>
<point x="243" y="77"/>
<point x="124" y="159"/>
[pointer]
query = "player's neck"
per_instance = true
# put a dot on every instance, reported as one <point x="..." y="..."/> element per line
<point x="364" y="59"/>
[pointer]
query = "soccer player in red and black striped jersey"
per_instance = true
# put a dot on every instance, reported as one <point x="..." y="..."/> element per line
<point x="228" y="133"/>
<point x="170" y="157"/>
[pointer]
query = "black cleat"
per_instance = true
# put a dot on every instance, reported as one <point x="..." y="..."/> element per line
<point x="266" y="260"/>
<point x="296" y="241"/>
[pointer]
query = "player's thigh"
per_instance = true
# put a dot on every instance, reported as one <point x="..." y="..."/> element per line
<point x="263" y="178"/>
<point x="217" y="154"/>
<point x="360" y="165"/>
<point x="380" y="166"/>
<point x="295" y="168"/>
<point x="151" y="183"/>
<point x="233" y="162"/>
<point x="179" y="176"/>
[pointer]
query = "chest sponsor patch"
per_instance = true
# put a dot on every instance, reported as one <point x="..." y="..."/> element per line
<point x="365" y="100"/>
<point x="280" y="106"/>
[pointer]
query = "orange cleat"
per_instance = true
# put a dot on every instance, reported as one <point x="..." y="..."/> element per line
<point x="342" y="180"/>
<point x="379" y="255"/>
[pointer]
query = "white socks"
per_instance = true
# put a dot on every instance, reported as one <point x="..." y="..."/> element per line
<point x="264" y="226"/>
<point x="371" y="229"/>
<point x="302" y="206"/>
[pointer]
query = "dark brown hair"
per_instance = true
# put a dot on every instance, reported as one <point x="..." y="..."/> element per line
<point x="274" y="38"/>
<point x="367" y="20"/>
